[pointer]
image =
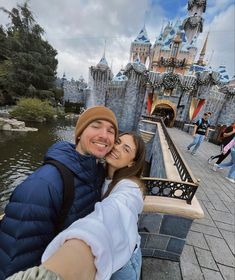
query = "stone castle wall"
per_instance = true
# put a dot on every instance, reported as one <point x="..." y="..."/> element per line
<point x="128" y="99"/>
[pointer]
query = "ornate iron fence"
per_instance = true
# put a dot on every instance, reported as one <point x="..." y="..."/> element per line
<point x="168" y="188"/>
<point x="184" y="189"/>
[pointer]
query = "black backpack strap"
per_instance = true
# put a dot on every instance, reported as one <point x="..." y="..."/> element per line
<point x="68" y="192"/>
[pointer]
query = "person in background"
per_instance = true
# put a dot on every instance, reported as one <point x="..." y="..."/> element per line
<point x="200" y="131"/>
<point x="231" y="174"/>
<point x="105" y="244"/>
<point x="34" y="207"/>
<point x="228" y="135"/>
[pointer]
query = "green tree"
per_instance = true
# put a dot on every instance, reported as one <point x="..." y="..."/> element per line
<point x="28" y="60"/>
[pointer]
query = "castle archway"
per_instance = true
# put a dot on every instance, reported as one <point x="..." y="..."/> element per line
<point x="167" y="110"/>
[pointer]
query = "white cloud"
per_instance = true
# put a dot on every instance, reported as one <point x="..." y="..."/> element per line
<point x="79" y="28"/>
<point x="221" y="40"/>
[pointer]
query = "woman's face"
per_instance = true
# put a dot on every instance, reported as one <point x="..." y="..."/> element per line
<point x="122" y="153"/>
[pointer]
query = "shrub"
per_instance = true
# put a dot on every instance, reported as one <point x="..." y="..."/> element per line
<point x="60" y="113"/>
<point x="33" y="109"/>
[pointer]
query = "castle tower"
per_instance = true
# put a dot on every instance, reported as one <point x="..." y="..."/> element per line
<point x="192" y="48"/>
<point x="203" y="52"/>
<point x="170" y="53"/>
<point x="99" y="78"/>
<point x="193" y="24"/>
<point x="140" y="47"/>
<point x="134" y="96"/>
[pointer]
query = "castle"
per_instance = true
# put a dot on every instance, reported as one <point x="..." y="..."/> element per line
<point x="162" y="79"/>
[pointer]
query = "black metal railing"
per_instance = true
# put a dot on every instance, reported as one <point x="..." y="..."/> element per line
<point x="184" y="189"/>
<point x="168" y="188"/>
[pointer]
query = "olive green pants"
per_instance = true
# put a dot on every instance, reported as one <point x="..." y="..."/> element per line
<point x="35" y="273"/>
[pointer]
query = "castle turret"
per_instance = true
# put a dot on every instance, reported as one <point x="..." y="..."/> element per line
<point x="193" y="24"/>
<point x="203" y="52"/>
<point x="140" y="47"/>
<point x="99" y="78"/>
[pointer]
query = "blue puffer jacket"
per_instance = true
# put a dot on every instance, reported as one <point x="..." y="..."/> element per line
<point x="28" y="225"/>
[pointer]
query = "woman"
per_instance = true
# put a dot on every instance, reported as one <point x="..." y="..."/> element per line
<point x="231" y="174"/>
<point x="106" y="243"/>
<point x="228" y="135"/>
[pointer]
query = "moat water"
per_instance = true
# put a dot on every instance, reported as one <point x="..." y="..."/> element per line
<point x="22" y="152"/>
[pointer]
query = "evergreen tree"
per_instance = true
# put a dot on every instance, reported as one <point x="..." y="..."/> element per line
<point x="26" y="60"/>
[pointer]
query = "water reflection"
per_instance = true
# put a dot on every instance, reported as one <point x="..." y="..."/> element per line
<point x="22" y="152"/>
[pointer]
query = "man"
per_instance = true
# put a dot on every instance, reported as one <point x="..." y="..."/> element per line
<point x="200" y="131"/>
<point x="29" y="222"/>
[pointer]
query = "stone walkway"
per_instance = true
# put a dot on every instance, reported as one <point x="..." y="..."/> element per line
<point x="210" y="248"/>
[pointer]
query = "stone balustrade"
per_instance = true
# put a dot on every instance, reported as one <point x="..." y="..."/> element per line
<point x="170" y="204"/>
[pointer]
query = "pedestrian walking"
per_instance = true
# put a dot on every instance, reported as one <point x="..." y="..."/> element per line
<point x="231" y="174"/>
<point x="200" y="131"/>
<point x="228" y="135"/>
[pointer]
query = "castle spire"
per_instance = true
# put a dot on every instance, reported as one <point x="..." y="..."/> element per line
<point x="203" y="52"/>
<point x="141" y="46"/>
<point x="193" y="24"/>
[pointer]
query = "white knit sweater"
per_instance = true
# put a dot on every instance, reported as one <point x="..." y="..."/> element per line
<point x="111" y="230"/>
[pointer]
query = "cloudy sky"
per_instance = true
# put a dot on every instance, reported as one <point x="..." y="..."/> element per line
<point x="78" y="29"/>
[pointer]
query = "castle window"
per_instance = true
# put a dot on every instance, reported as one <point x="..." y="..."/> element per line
<point x="175" y="50"/>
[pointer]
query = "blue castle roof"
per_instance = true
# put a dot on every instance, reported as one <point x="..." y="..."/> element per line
<point x="142" y="38"/>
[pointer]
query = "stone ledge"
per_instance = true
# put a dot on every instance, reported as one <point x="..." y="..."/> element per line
<point x="170" y="168"/>
<point x="173" y="206"/>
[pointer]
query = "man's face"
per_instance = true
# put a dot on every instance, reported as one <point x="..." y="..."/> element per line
<point x="97" y="139"/>
<point x="205" y="116"/>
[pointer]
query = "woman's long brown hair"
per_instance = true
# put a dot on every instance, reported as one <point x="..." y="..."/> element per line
<point x="133" y="172"/>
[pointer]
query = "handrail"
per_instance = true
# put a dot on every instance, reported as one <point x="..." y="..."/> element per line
<point x="184" y="189"/>
<point x="169" y="188"/>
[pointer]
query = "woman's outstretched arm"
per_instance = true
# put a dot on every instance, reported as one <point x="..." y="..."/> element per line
<point x="74" y="260"/>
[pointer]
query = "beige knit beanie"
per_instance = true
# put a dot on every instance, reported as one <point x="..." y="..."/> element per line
<point x="92" y="114"/>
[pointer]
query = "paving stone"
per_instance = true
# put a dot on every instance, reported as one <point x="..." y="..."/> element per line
<point x="231" y="207"/>
<point x="223" y="195"/>
<point x="190" y="272"/>
<point x="221" y="216"/>
<point x="218" y="204"/>
<point x="196" y="239"/>
<point x="208" y="205"/>
<point x="227" y="272"/>
<point x="220" y="250"/>
<point x="205" y="259"/>
<point x="153" y="269"/>
<point x="205" y="222"/>
<point x="211" y="274"/>
<point x="229" y="238"/>
<point x="205" y="229"/>
<point x="156" y="241"/>
<point x="225" y="226"/>
<point x="206" y="213"/>
<point x="175" y="226"/>
<point x="188" y="255"/>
